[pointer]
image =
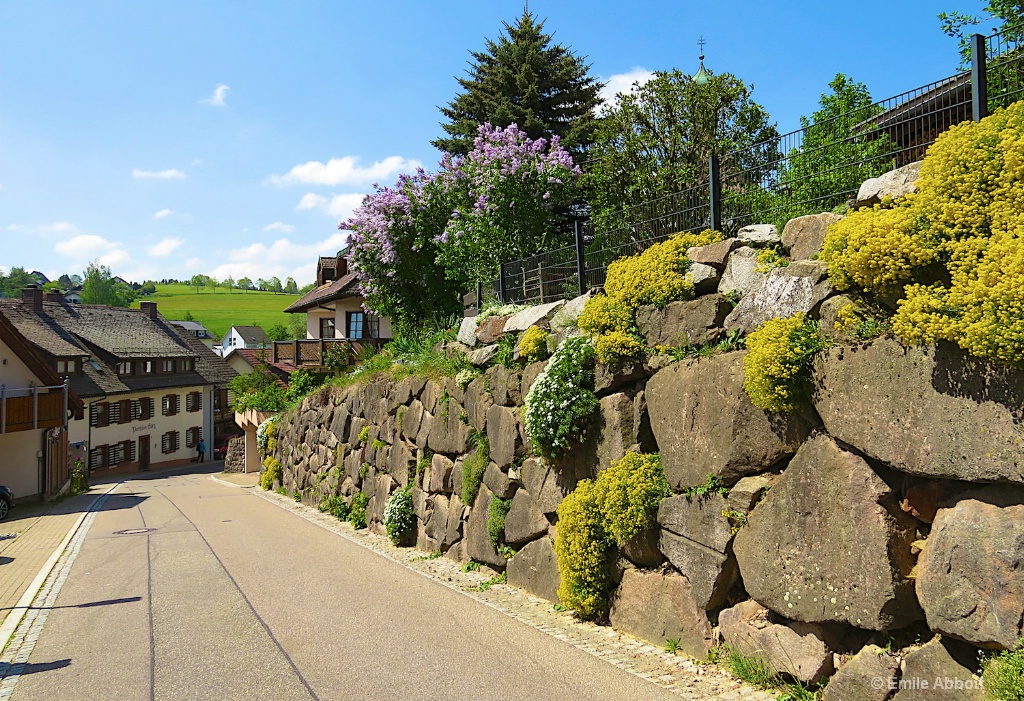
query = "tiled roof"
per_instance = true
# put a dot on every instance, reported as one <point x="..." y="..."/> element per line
<point x="338" y="289"/>
<point x="210" y="365"/>
<point x="105" y="335"/>
<point x="253" y="334"/>
<point x="255" y="356"/>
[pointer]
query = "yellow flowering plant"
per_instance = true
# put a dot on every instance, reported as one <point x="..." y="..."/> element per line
<point x="779" y="351"/>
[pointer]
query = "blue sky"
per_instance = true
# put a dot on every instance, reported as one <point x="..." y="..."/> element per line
<point x="230" y="138"/>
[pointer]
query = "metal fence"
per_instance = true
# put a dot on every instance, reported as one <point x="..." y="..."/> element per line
<point x="813" y="169"/>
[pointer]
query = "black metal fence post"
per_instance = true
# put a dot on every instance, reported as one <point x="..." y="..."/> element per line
<point x="979" y="77"/>
<point x="501" y="283"/>
<point x="581" y="259"/>
<point x="716" y="193"/>
<point x="479" y="296"/>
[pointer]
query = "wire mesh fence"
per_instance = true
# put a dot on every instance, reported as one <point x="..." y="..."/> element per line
<point x="816" y="168"/>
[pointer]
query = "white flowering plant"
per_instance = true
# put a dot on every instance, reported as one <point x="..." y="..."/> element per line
<point x="465" y="376"/>
<point x="561" y="399"/>
<point x="263" y="432"/>
<point x="399" y="516"/>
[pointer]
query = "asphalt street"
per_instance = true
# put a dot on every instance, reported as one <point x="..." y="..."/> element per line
<point x="187" y="589"/>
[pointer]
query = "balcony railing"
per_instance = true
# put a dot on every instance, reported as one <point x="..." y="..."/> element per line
<point x="310" y="353"/>
<point x="27" y="408"/>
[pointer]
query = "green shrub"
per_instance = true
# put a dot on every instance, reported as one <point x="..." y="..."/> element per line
<point x="363" y="470"/>
<point x="364" y="434"/>
<point x="963" y="228"/>
<point x="357" y="510"/>
<point x="378" y="444"/>
<point x="561" y="401"/>
<point x="534" y="344"/>
<point x="399" y="517"/>
<point x="497" y="510"/>
<point x="300" y="383"/>
<point x="1003" y="675"/>
<point x="336" y="506"/>
<point x="616" y="347"/>
<point x="473" y="468"/>
<point x="423" y="464"/>
<point x="621" y="503"/>
<point x="780" y="351"/>
<point x="271" y="472"/>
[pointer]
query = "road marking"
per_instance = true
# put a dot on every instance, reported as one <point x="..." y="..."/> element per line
<point x="28" y="620"/>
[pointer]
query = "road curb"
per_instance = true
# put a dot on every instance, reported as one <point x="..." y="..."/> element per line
<point x="17" y="613"/>
<point x="217" y="479"/>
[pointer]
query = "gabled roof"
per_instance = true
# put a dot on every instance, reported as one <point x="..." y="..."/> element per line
<point x="255" y="356"/>
<point x="211" y="366"/>
<point x="253" y="334"/>
<point x="342" y="288"/>
<point x="46" y="373"/>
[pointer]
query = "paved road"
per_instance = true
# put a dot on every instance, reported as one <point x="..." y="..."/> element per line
<point x="231" y="597"/>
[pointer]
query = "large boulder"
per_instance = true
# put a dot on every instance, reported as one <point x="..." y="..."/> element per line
<point x="931" y="411"/>
<point x="447" y="432"/>
<point x="828" y="543"/>
<point x="565" y="316"/>
<point x="695" y="537"/>
<point x="689" y="323"/>
<point x="482" y="356"/>
<point x="498" y="481"/>
<point x="532" y="316"/>
<point x="615" y="431"/>
<point x="970" y="577"/>
<point x="803" y="236"/>
<point x="704" y="277"/>
<point x="896" y="183"/>
<point x="941" y="670"/>
<point x="787" y="291"/>
<point x="546" y="484"/>
<point x="478" y="542"/>
<point x="715" y="254"/>
<point x="741" y="276"/>
<point x="758" y="235"/>
<point x="870" y="675"/>
<point x="704" y="423"/>
<point x="467" y="331"/>
<point x="439" y="477"/>
<point x="658" y="606"/>
<point x="535" y="569"/>
<point x="503" y="434"/>
<point x="490" y="329"/>
<point x="799" y="651"/>
<point x="524" y="521"/>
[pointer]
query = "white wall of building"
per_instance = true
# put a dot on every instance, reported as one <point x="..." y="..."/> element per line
<point x="19" y="462"/>
<point x="340" y="315"/>
<point x="154" y="427"/>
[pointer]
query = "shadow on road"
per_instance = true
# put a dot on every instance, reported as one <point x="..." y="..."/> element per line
<point x="4" y="560"/>
<point x="91" y="604"/>
<point x="7" y="668"/>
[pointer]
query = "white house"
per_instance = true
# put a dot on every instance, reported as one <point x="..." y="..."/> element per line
<point x="243" y="337"/>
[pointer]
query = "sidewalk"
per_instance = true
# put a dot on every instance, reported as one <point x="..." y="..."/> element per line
<point x="239" y="479"/>
<point x="39" y="530"/>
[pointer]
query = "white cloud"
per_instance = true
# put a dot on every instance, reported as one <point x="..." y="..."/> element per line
<point x="280" y="226"/>
<point x="165" y="248"/>
<point x="283" y="258"/>
<point x="169" y="174"/>
<point x="163" y="214"/>
<point x="345" y="171"/>
<point x="623" y="83"/>
<point x="218" y="98"/>
<point x="338" y="206"/>
<point x="87" y="246"/>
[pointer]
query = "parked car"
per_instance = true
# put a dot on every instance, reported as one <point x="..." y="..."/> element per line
<point x="6" y="502"/>
<point x="220" y="447"/>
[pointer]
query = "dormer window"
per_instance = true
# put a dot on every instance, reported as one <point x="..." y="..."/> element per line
<point x="124" y="368"/>
<point x="166" y="366"/>
<point x="67" y="366"/>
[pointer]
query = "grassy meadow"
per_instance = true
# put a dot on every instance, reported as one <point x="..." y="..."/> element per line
<point x="220" y="309"/>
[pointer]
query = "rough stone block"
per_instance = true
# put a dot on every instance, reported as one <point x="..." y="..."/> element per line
<point x="803" y="655"/>
<point x="803" y="236"/>
<point x="796" y="288"/>
<point x="896" y="183"/>
<point x="535" y="569"/>
<point x="690" y="323"/>
<point x="695" y="537"/>
<point x="656" y="607"/>
<point x="858" y="679"/>
<point x="741" y="277"/>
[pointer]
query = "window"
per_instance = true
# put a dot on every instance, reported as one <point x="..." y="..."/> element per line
<point x="136" y="409"/>
<point x="147" y="367"/>
<point x="114" y="413"/>
<point x="120" y="452"/>
<point x="147" y="408"/>
<point x="98" y="457"/>
<point x="99" y="414"/>
<point x="124" y="411"/>
<point x="327" y="327"/>
<point x="372" y="326"/>
<point x="166" y="366"/>
<point x="220" y="399"/>
<point x="169" y="442"/>
<point x="67" y="367"/>
<point x="354" y="324"/>
<point x="193" y="436"/>
<point x="125" y="368"/>
<point x="171" y="404"/>
<point x="194" y="401"/>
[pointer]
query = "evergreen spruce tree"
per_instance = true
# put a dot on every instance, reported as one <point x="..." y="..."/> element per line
<point x="523" y="79"/>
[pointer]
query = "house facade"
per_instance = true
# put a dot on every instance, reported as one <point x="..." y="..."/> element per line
<point x="243" y="337"/>
<point x="150" y="396"/>
<point x="36" y="406"/>
<point x="334" y="308"/>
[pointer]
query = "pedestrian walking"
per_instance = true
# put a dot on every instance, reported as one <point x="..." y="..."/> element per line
<point x="202" y="451"/>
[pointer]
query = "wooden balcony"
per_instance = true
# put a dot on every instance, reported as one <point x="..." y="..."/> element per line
<point x="309" y="353"/>
<point x="30" y="408"/>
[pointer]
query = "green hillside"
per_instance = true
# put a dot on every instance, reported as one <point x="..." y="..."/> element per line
<point x="221" y="309"/>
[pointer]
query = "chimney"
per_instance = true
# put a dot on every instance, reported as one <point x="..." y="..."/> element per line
<point x="341" y="268"/>
<point x="34" y="296"/>
<point x="54" y="297"/>
<point x="149" y="309"/>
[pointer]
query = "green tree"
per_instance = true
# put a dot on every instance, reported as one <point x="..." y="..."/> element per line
<point x="523" y="79"/>
<point x="244" y="283"/>
<point x="833" y="158"/>
<point x="98" y="286"/>
<point x="278" y="332"/>
<point x="228" y="283"/>
<point x="1008" y="14"/>
<point x="14" y="282"/>
<point x="290" y="286"/>
<point x="274" y="284"/>
<point x="297" y="325"/>
<point x="659" y="138"/>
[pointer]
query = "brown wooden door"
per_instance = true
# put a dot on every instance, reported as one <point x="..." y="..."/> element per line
<point x="144" y="452"/>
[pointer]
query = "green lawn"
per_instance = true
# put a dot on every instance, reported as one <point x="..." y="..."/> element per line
<point x="221" y="309"/>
